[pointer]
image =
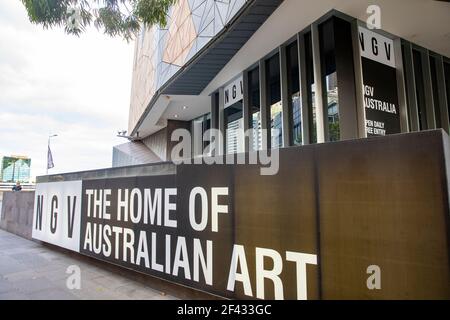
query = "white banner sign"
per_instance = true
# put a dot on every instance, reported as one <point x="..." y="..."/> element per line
<point x="233" y="92"/>
<point x="376" y="47"/>
<point x="57" y="214"/>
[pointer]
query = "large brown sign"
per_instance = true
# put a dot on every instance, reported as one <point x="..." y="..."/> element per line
<point x="361" y="219"/>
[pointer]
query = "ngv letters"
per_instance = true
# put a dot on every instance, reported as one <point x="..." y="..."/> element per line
<point x="57" y="214"/>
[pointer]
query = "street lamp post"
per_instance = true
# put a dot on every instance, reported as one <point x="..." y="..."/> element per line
<point x="48" y="149"/>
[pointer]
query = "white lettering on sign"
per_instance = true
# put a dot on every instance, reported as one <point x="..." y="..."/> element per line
<point x="233" y="92"/>
<point x="376" y="47"/>
<point x="371" y="103"/>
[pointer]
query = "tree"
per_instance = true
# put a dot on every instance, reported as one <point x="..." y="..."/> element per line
<point x="114" y="17"/>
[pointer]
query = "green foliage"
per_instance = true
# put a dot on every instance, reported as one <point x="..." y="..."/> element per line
<point x="334" y="131"/>
<point x="122" y="18"/>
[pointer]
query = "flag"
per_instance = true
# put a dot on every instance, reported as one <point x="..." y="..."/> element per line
<point x="49" y="159"/>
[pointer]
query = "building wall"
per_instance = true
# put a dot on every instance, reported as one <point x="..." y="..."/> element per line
<point x="157" y="142"/>
<point x="17" y="212"/>
<point x="349" y="206"/>
<point x="133" y="153"/>
<point x="122" y="159"/>
<point x="173" y="125"/>
<point x="160" y="142"/>
<point x="352" y="111"/>
<point x="161" y="52"/>
<point x="292" y="16"/>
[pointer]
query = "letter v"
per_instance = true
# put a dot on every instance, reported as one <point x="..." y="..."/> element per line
<point x="70" y="215"/>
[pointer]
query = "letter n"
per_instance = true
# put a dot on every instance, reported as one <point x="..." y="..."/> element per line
<point x="40" y="201"/>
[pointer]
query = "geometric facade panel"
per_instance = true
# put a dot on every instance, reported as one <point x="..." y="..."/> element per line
<point x="161" y="52"/>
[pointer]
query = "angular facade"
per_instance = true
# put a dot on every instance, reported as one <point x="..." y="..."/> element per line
<point x="351" y="202"/>
<point x="161" y="52"/>
<point x="309" y="72"/>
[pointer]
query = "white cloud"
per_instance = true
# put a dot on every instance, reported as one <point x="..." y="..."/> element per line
<point x="51" y="82"/>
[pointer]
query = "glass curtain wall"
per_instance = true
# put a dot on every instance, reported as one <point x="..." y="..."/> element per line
<point x="199" y="126"/>
<point x="434" y="84"/>
<point x="420" y="90"/>
<point x="274" y="101"/>
<point x="234" y="127"/>
<point x="294" y="92"/>
<point x="255" y="108"/>
<point x="311" y="88"/>
<point x="329" y="77"/>
<point x="447" y="84"/>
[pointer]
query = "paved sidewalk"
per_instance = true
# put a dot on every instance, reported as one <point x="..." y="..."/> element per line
<point x="29" y="270"/>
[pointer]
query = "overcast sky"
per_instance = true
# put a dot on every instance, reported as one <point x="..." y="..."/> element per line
<point x="50" y="82"/>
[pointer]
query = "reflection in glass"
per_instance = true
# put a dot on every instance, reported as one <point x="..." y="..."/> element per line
<point x="328" y="62"/>
<point x="333" y="106"/>
<point x="199" y="126"/>
<point x="255" y="107"/>
<point x="434" y="83"/>
<point x="447" y="84"/>
<point x="274" y="100"/>
<point x="206" y="127"/>
<point x="406" y="86"/>
<point x="311" y="88"/>
<point x="420" y="90"/>
<point x="294" y="92"/>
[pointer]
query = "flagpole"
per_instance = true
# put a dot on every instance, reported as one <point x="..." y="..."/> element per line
<point x="46" y="165"/>
<point x="48" y="149"/>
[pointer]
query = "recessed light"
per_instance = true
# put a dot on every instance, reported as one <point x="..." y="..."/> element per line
<point x="175" y="116"/>
<point x="184" y="107"/>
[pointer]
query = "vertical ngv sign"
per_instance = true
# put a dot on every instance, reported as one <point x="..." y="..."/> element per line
<point x="57" y="214"/>
<point x="233" y="92"/>
<point x="376" y="47"/>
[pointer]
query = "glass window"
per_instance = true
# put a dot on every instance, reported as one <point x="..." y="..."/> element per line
<point x="255" y="107"/>
<point x="406" y="87"/>
<point x="294" y="92"/>
<point x="329" y="76"/>
<point x="447" y="84"/>
<point x="274" y="100"/>
<point x="215" y="115"/>
<point x="420" y="90"/>
<point x="234" y="126"/>
<point x="311" y="88"/>
<point x="199" y="126"/>
<point x="434" y="84"/>
<point x="206" y="126"/>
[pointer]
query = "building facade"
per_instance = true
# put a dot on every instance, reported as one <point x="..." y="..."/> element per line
<point x="15" y="168"/>
<point x="357" y="123"/>
<point x="314" y="72"/>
